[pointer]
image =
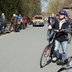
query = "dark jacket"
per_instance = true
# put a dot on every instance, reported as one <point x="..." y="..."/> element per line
<point x="51" y="20"/>
<point x="14" y="20"/>
<point x="63" y="35"/>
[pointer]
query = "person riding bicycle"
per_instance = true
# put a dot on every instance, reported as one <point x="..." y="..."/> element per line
<point x="61" y="39"/>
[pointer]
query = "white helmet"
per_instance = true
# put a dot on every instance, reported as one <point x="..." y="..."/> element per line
<point x="2" y="14"/>
<point x="14" y="14"/>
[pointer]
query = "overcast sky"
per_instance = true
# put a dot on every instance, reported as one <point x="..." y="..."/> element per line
<point x="44" y="5"/>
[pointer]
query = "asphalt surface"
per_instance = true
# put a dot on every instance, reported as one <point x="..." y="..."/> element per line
<point x="21" y="52"/>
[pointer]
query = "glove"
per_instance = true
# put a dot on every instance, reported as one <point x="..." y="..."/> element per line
<point x="49" y="27"/>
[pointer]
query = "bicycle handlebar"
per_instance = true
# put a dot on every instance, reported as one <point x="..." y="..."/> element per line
<point x="61" y="30"/>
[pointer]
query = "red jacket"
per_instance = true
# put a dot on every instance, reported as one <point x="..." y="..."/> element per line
<point x="25" y="20"/>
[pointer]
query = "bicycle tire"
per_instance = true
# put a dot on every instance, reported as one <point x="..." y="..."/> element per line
<point x="47" y="57"/>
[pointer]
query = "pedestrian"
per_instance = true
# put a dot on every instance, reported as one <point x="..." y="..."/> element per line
<point x="19" y="18"/>
<point x="25" y="20"/>
<point x="16" y="25"/>
<point x="0" y="24"/>
<point x="3" y="23"/>
<point x="12" y="23"/>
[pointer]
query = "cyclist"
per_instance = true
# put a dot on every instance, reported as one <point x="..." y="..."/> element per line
<point x="51" y="20"/>
<point x="61" y="39"/>
<point x="70" y="34"/>
<point x="19" y="18"/>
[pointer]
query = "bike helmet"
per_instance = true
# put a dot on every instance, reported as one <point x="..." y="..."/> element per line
<point x="63" y="12"/>
<point x="14" y="15"/>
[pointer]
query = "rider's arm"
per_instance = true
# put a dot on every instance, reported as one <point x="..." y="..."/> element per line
<point x="67" y="28"/>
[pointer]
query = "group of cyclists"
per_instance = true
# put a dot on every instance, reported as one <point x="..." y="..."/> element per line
<point x="16" y="23"/>
<point x="60" y="23"/>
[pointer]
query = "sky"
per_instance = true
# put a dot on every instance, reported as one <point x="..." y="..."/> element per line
<point x="44" y="5"/>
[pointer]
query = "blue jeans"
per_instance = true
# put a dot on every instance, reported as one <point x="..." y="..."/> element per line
<point x="64" y="46"/>
<point x="3" y="29"/>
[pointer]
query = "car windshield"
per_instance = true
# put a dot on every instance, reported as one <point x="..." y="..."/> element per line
<point x="38" y="17"/>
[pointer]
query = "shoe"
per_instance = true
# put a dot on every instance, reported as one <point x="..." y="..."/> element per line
<point x="60" y="62"/>
<point x="65" y="61"/>
<point x="54" y="59"/>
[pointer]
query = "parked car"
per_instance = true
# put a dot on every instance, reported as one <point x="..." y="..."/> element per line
<point x="38" y="20"/>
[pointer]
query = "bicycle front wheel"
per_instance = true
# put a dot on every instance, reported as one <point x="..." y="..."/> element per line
<point x="45" y="57"/>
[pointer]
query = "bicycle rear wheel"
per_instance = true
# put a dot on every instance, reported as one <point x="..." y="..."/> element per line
<point x="46" y="56"/>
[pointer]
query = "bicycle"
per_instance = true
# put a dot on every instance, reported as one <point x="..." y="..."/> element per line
<point x="47" y="55"/>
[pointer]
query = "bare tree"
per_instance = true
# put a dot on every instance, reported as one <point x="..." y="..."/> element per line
<point x="55" y="5"/>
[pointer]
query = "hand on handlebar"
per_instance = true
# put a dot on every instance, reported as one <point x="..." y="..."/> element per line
<point x="49" y="27"/>
<point x="57" y="30"/>
<point x="61" y="30"/>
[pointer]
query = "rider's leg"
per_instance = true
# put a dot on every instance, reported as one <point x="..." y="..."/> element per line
<point x="64" y="45"/>
<point x="64" y="54"/>
<point x="56" y="49"/>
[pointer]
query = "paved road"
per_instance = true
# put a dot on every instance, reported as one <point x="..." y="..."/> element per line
<point x="20" y="52"/>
